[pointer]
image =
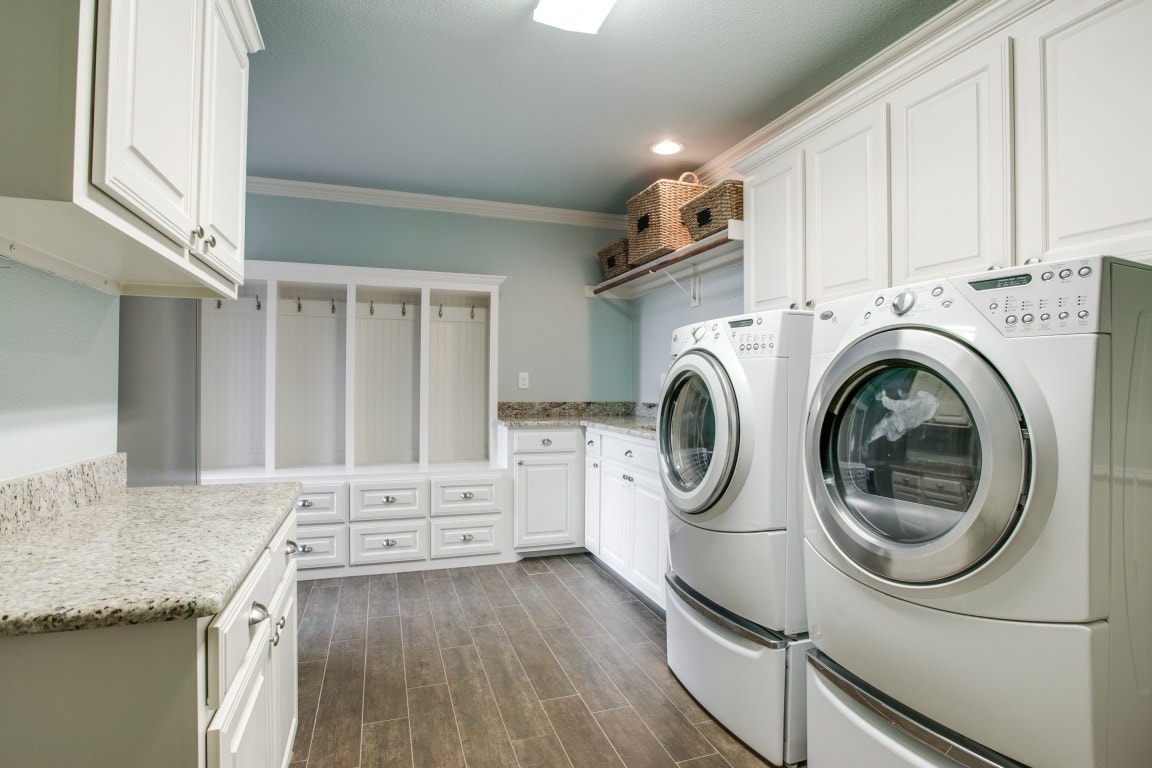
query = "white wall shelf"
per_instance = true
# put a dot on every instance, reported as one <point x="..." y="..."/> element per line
<point x="722" y="249"/>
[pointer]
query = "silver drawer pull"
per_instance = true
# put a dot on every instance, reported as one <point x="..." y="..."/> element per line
<point x="280" y="624"/>
<point x="546" y="441"/>
<point x="389" y="499"/>
<point x="292" y="548"/>
<point x="305" y="549"/>
<point x="628" y="453"/>
<point x="258" y="614"/>
<point x="389" y="542"/>
<point x="305" y="503"/>
<point x="465" y="537"/>
<point x="467" y="495"/>
<point x="275" y="640"/>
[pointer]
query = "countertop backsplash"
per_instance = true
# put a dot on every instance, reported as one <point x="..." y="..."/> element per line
<point x="29" y="501"/>
<point x="517" y="411"/>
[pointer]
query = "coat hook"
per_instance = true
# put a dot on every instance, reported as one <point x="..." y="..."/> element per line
<point x="333" y="306"/>
<point x="472" y="314"/>
<point x="219" y="304"/>
<point x="441" y="310"/>
<point x="298" y="307"/>
<point x="257" y="302"/>
<point x="371" y="307"/>
<point x="403" y="309"/>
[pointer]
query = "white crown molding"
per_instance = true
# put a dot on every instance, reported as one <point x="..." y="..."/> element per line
<point x="387" y="199"/>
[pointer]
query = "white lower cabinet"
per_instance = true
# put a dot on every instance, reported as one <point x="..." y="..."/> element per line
<point x="388" y="542"/>
<point x="632" y="528"/>
<point x="458" y="537"/>
<point x="549" y="502"/>
<point x="592" y="504"/>
<point x="324" y="546"/>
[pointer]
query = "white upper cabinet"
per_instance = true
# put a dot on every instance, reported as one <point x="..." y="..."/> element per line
<point x="774" y="243"/>
<point x="846" y="206"/>
<point x="1085" y="126"/>
<point x="951" y="166"/>
<point x="124" y="135"/>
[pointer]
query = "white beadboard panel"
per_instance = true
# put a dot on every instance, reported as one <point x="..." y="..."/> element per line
<point x="232" y="355"/>
<point x="458" y="385"/>
<point x="387" y="379"/>
<point x="309" y="381"/>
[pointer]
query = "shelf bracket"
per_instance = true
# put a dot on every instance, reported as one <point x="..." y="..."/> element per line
<point x="693" y="292"/>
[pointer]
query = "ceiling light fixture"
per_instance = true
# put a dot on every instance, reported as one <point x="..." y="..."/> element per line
<point x="573" y="15"/>
<point x="667" y="147"/>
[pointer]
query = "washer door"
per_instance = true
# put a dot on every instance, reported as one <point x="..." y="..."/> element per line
<point x="918" y="458"/>
<point x="698" y="432"/>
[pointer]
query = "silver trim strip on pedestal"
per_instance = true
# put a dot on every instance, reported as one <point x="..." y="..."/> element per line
<point x="939" y="739"/>
<point x="729" y="621"/>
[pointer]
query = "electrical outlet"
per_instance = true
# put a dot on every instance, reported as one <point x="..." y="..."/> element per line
<point x="523" y="380"/>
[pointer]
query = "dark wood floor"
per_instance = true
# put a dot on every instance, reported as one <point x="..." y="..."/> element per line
<point x="544" y="663"/>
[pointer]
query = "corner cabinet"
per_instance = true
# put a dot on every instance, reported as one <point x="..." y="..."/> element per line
<point x="127" y="135"/>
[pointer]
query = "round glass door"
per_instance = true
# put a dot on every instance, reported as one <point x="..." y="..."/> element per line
<point x="697" y="430"/>
<point x="917" y="456"/>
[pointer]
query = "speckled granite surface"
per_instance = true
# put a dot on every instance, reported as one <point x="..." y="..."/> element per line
<point x="27" y="502"/>
<point x="138" y="555"/>
<point x="635" y="419"/>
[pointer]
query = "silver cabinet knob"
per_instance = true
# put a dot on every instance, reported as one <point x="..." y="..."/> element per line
<point x="280" y="624"/>
<point x="810" y="303"/>
<point x="258" y="614"/>
<point x="467" y="495"/>
<point x="291" y="547"/>
<point x="628" y="453"/>
<point x="546" y="441"/>
<point x="595" y="465"/>
<point x="1033" y="260"/>
<point x="211" y="241"/>
<point x="520" y="463"/>
<point x="198" y="232"/>
<point x="465" y="537"/>
<point x="306" y="549"/>
<point x="275" y="639"/>
<point x="305" y="503"/>
<point x="793" y="305"/>
<point x="389" y="542"/>
<point x="389" y="499"/>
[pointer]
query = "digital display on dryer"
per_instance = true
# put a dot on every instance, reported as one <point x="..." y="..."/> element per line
<point x="744" y="323"/>
<point x="1010" y="281"/>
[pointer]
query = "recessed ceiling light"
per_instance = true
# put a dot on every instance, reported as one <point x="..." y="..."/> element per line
<point x="573" y="15"/>
<point x="667" y="147"/>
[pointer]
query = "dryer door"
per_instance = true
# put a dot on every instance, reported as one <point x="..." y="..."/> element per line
<point x="917" y="456"/>
<point x="698" y="432"/>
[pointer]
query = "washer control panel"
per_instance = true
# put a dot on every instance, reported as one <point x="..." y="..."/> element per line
<point x="751" y="337"/>
<point x="1032" y="300"/>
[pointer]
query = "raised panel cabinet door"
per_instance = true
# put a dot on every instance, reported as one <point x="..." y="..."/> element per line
<point x="846" y="206"/>
<point x="616" y="493"/>
<point x="649" y="538"/>
<point x="282" y="671"/>
<point x="1085" y="118"/>
<point x="545" y="510"/>
<point x="240" y="733"/>
<point x="225" y="141"/>
<point x="592" y="505"/>
<point x="774" y="244"/>
<point x="146" y="127"/>
<point x="952" y="166"/>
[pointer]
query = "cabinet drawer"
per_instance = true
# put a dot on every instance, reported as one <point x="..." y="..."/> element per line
<point x="322" y="504"/>
<point x="388" y="499"/>
<point x="388" y="542"/>
<point x="592" y="441"/>
<point x="281" y="553"/>
<point x="467" y="495"/>
<point x="329" y="545"/>
<point x="638" y="454"/>
<point x="538" y="440"/>
<point x="472" y="536"/>
<point x="234" y="629"/>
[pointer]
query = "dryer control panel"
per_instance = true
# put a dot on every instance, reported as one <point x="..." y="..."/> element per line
<point x="751" y="338"/>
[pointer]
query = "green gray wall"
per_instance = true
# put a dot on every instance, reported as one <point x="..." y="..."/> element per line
<point x="59" y="352"/>
<point x="573" y="347"/>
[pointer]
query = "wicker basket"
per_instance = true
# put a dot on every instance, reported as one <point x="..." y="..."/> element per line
<point x="654" y="226"/>
<point x="709" y="213"/>
<point x="614" y="258"/>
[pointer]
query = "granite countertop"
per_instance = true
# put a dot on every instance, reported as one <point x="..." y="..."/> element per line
<point x="635" y="419"/>
<point x="627" y="425"/>
<point x="138" y="555"/>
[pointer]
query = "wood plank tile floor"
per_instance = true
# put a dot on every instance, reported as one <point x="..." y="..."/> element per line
<point x="544" y="663"/>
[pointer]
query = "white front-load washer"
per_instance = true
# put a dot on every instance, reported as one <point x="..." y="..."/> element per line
<point x="728" y="437"/>
<point x="978" y="463"/>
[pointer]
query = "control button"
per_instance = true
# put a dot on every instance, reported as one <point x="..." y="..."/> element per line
<point x="1047" y="276"/>
<point x="903" y="302"/>
<point x="741" y="347"/>
<point x="946" y="303"/>
<point x="879" y="300"/>
<point x="755" y="346"/>
<point x="1027" y="318"/>
<point x="698" y="332"/>
<point x="771" y="346"/>
<point x="867" y="316"/>
<point x="1044" y="317"/>
<point x="1082" y="314"/>
<point x="1085" y="271"/>
<point x="1063" y="315"/>
<point x="937" y="291"/>
<point x="993" y="306"/>
<point x="716" y="336"/>
<point x="713" y="326"/>
<point x="1010" y="320"/>
<point x="1065" y="274"/>
<point x="759" y="320"/>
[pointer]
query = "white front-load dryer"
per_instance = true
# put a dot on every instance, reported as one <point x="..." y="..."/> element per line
<point x="728" y="437"/>
<point x="978" y="466"/>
